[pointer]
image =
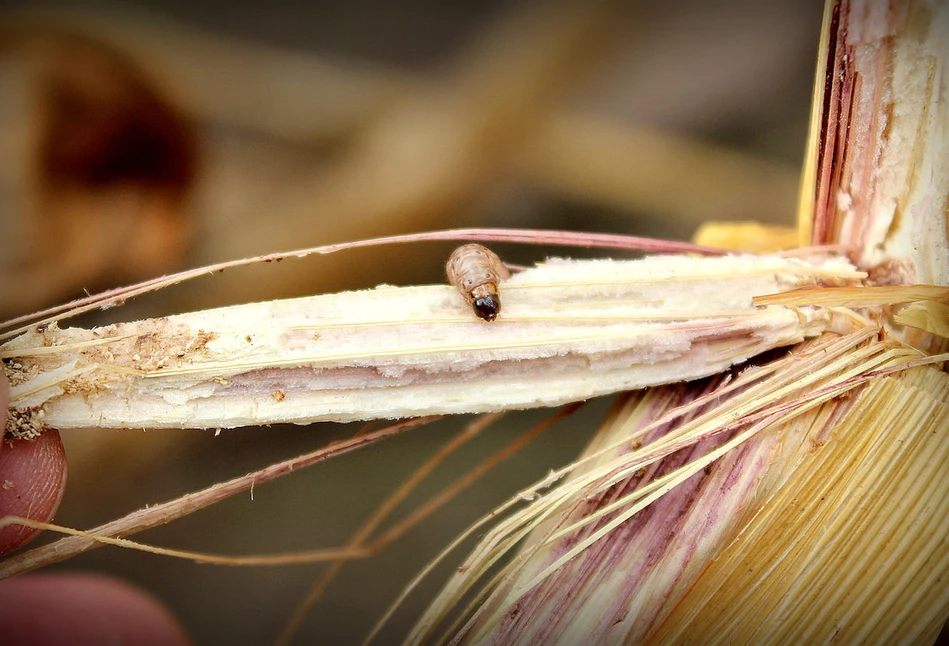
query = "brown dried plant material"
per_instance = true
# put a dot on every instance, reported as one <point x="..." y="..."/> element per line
<point x="570" y="330"/>
<point x="98" y="164"/>
<point x="493" y="110"/>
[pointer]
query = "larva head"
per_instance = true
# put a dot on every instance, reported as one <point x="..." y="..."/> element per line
<point x="487" y="307"/>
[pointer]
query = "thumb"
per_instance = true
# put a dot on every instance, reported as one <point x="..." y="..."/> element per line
<point x="32" y="479"/>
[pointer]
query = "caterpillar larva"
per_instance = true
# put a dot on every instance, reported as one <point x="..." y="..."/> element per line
<point x="476" y="272"/>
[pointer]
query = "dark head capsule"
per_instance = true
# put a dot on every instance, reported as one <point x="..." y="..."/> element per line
<point x="487" y="307"/>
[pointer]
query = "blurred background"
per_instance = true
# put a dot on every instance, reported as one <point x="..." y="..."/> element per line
<point x="140" y="139"/>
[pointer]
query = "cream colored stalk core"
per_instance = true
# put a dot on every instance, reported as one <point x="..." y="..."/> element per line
<point x="570" y="330"/>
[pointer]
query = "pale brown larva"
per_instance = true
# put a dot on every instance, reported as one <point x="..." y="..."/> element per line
<point x="476" y="272"/>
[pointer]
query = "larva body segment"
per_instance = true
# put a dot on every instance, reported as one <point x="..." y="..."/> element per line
<point x="476" y="272"/>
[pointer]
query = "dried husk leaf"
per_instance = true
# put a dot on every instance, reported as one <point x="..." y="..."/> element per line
<point x="928" y="316"/>
<point x="599" y="561"/>
<point x="853" y="547"/>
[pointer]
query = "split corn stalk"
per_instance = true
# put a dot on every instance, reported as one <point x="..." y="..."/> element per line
<point x="570" y="330"/>
<point x="803" y="500"/>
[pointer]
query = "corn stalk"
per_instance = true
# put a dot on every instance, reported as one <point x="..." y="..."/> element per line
<point x="570" y="330"/>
